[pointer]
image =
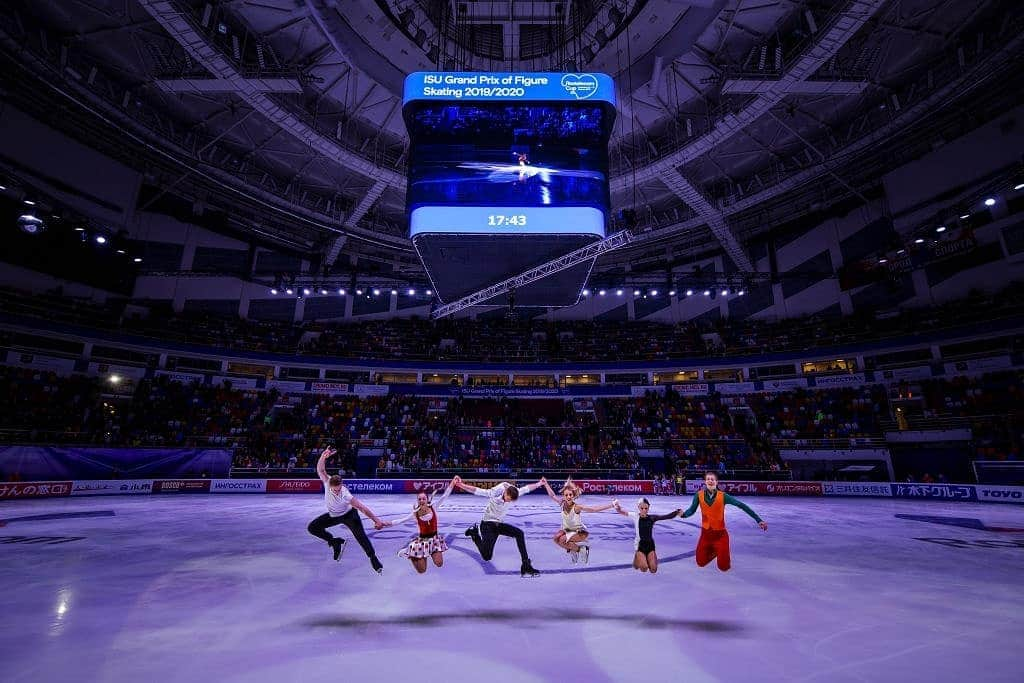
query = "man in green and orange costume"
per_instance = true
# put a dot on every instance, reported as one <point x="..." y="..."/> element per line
<point x="714" y="539"/>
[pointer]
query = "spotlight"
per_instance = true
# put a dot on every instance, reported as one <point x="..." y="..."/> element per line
<point x="919" y="240"/>
<point x="273" y="290"/>
<point x="114" y="379"/>
<point x="2" y="188"/>
<point x="707" y="292"/>
<point x="376" y="292"/>
<point x="671" y="292"/>
<point x="79" y="229"/>
<point x="602" y="292"/>
<point x="689" y="292"/>
<point x="120" y="251"/>
<point x="654" y="292"/>
<point x="412" y="292"/>
<point x="636" y="292"/>
<point x="1019" y="187"/>
<point x="429" y="293"/>
<point x="883" y="260"/>
<point x="990" y="202"/>
<point x="341" y="292"/>
<point x="323" y="292"/>
<point x="965" y="216"/>
<point x="137" y="259"/>
<point x="29" y="202"/>
<point x="586" y="292"/>
<point x="901" y="252"/>
<point x="394" y="291"/>
<point x="941" y="228"/>
<point x="725" y="292"/>
<point x="100" y="239"/>
<point x="359" y="292"/>
<point x="289" y="291"/>
<point x="618" y="292"/>
<point x="741" y="292"/>
<point x="31" y="224"/>
<point x="305" y="291"/>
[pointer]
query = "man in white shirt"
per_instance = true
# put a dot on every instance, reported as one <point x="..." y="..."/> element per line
<point x="341" y="509"/>
<point x="485" y="534"/>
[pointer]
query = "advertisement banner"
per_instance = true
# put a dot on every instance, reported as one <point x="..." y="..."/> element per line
<point x="112" y="487"/>
<point x="857" y="488"/>
<point x="60" y="366"/>
<point x="111" y="369"/>
<point x="377" y="485"/>
<point x="695" y="389"/>
<point x="236" y="382"/>
<point x="762" y="488"/>
<point x="238" y="486"/>
<point x="181" y="486"/>
<point x="370" y="389"/>
<point x="643" y="390"/>
<point x="35" y="489"/>
<point x="521" y="392"/>
<point x="506" y="86"/>
<point x="784" y="384"/>
<point x="915" y="372"/>
<point x="940" y="491"/>
<point x="735" y="387"/>
<point x="294" y="486"/>
<point x="979" y="365"/>
<point x="1000" y="494"/>
<point x="615" y="486"/>
<point x="852" y="380"/>
<point x="182" y="377"/>
<point x="330" y="388"/>
<point x="286" y="386"/>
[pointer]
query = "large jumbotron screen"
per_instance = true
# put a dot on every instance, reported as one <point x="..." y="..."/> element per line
<point x="507" y="171"/>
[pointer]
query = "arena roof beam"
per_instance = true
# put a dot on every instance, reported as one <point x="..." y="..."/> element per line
<point x="352" y="220"/>
<point x="573" y="258"/>
<point x="756" y="86"/>
<point x="830" y="39"/>
<point x="180" y="27"/>
<point x="215" y="85"/>
<point x="686" y="191"/>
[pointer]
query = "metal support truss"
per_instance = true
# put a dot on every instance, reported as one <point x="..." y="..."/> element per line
<point x="352" y="220"/>
<point x="573" y="258"/>
<point x="682" y="187"/>
<point x="215" y="85"/>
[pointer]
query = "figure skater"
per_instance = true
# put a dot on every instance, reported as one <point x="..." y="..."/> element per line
<point x="714" y="539"/>
<point x="573" y="535"/>
<point x="428" y="543"/>
<point x="486" y="533"/>
<point x="645" y="557"/>
<point x="341" y="509"/>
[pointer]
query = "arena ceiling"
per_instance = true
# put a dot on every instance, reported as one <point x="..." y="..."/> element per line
<point x="735" y="115"/>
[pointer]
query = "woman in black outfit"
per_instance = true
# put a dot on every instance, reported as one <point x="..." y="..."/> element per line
<point x="646" y="557"/>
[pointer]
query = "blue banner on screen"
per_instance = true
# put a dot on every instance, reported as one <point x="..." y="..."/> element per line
<point x="507" y="220"/>
<point x="504" y="86"/>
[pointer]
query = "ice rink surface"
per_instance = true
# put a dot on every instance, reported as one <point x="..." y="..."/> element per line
<point x="233" y="588"/>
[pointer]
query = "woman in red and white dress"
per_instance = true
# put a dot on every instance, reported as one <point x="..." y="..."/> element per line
<point x="428" y="543"/>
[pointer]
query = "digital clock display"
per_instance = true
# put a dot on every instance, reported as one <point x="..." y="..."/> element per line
<point x="498" y="220"/>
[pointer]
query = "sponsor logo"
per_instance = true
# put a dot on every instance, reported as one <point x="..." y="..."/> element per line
<point x="104" y="488"/>
<point x="768" y="488"/>
<point x="616" y="486"/>
<point x="1001" y="494"/>
<point x="580" y="86"/>
<point x="856" y="378"/>
<point x="856" y="489"/>
<point x="375" y="486"/>
<point x="35" y="490"/>
<point x="294" y="486"/>
<point x="239" y="485"/>
<point x="329" y="388"/>
<point x="181" y="486"/>
<point x="136" y="487"/>
<point x="943" y="491"/>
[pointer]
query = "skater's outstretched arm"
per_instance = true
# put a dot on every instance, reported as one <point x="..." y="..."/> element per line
<point x="321" y="464"/>
<point x="531" y="487"/>
<point x="551" y="493"/>
<point x="621" y="511"/>
<point x="729" y="500"/>
<point x="693" y="506"/>
<point x="436" y="502"/>
<point x="378" y="523"/>
<point x="660" y="518"/>
<point x="594" y="508"/>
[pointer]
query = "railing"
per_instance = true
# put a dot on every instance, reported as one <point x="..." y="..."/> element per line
<point x="853" y="442"/>
<point x="29" y="436"/>
<point x="1007" y="472"/>
<point x="937" y="423"/>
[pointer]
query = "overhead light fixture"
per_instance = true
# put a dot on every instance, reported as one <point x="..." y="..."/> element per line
<point x="990" y="201"/>
<point x="429" y="293"/>
<point x="273" y="290"/>
<point x="725" y="292"/>
<point x="901" y="252"/>
<point x="394" y="291"/>
<point x="883" y="260"/>
<point x="100" y="239"/>
<point x="919" y="240"/>
<point x="707" y="292"/>
<point x="941" y="228"/>
<point x="618" y="292"/>
<point x="1019" y="186"/>
<point x="376" y="292"/>
<point x="359" y="292"/>
<point x="305" y="291"/>
<point x="671" y="292"/>
<point x="30" y="224"/>
<point x="636" y="292"/>
<point x="689" y="292"/>
<point x="79" y="229"/>
<point x="341" y="292"/>
<point x="586" y="292"/>
<point x="601" y="292"/>
<point x="412" y="292"/>
<point x="741" y="292"/>
<point x="120" y="251"/>
<point x="29" y="202"/>
<point x="2" y="188"/>
<point x="289" y="291"/>
<point x="654" y="292"/>
<point x="965" y="216"/>
<point x="137" y="259"/>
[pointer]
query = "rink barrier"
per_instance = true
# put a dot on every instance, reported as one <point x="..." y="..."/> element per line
<point x="986" y="493"/>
